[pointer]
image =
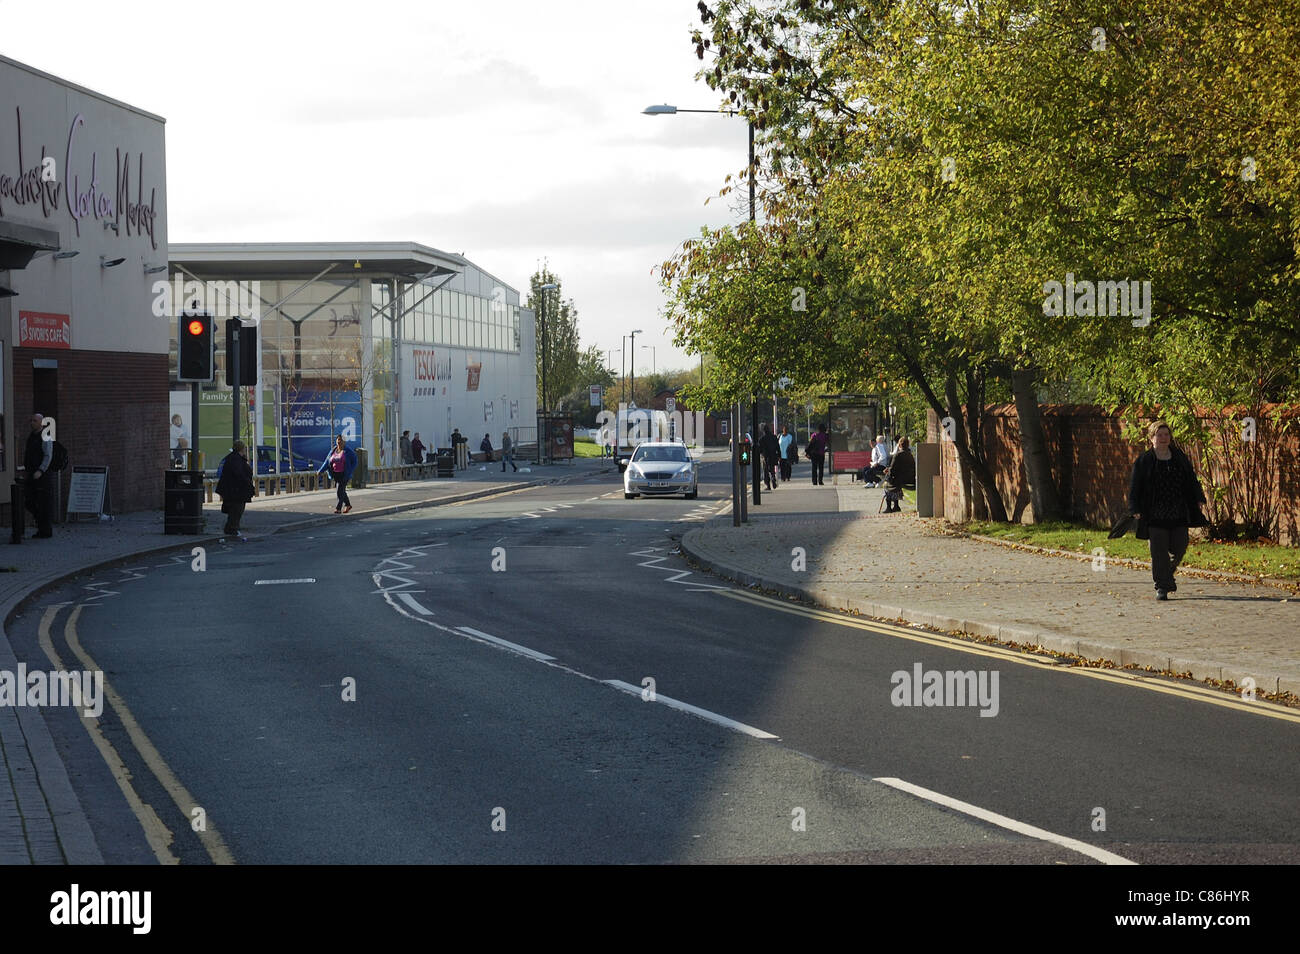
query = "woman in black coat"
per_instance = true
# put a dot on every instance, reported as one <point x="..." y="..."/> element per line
<point x="235" y="487"/>
<point x="1165" y="499"/>
<point x="900" y="473"/>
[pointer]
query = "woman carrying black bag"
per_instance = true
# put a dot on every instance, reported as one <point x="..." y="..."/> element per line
<point x="1165" y="499"/>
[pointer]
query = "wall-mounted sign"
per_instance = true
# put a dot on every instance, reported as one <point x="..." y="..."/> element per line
<point x="38" y="329"/>
<point x="472" y="372"/>
<point x="39" y="181"/>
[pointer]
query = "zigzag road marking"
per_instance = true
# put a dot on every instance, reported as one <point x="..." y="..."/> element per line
<point x="101" y="593"/>
<point x="380" y="575"/>
<point x="677" y="576"/>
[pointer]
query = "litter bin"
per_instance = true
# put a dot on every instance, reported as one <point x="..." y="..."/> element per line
<point x="183" y="497"/>
<point x="446" y="458"/>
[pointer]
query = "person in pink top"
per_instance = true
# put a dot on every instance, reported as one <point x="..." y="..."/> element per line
<point x="340" y="464"/>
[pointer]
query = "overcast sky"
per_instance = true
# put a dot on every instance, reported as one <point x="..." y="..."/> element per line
<point x="509" y="131"/>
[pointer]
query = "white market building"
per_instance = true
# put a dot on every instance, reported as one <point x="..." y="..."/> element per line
<point x="370" y="339"/>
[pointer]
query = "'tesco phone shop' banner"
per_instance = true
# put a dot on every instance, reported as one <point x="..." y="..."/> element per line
<point x="310" y="420"/>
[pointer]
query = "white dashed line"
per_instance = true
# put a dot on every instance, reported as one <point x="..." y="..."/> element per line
<point x="693" y="710"/>
<point x="1098" y="854"/>
<point x="306" y="579"/>
<point x="504" y="643"/>
<point x="410" y="601"/>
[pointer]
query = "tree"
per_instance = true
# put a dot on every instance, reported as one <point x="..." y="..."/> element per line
<point x="928" y="170"/>
<point x="557" y="339"/>
<point x="590" y="370"/>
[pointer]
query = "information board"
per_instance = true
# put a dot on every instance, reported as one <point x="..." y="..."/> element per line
<point x="88" y="492"/>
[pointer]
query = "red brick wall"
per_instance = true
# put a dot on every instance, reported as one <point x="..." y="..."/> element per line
<point x="113" y="411"/>
<point x="1091" y="464"/>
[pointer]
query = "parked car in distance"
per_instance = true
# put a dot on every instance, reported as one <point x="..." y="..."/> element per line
<point x="660" y="467"/>
<point x="266" y="462"/>
<point x="294" y="463"/>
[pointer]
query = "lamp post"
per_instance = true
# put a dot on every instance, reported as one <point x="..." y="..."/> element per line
<point x="651" y="349"/>
<point x="632" y="363"/>
<point x="737" y="496"/>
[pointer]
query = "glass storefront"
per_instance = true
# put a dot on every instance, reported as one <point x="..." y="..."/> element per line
<point x="450" y="318"/>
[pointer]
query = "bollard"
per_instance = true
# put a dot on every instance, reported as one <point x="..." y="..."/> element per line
<point x="16" y="512"/>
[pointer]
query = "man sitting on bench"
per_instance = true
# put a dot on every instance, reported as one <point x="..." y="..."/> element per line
<point x="879" y="462"/>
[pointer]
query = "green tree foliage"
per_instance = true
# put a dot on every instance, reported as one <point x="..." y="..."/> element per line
<point x="557" y="322"/>
<point x="929" y="170"/>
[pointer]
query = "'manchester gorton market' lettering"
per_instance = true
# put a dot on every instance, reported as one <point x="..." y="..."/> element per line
<point x="80" y="189"/>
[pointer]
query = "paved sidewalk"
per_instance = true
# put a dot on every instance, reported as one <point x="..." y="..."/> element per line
<point x="894" y="566"/>
<point x="41" y="819"/>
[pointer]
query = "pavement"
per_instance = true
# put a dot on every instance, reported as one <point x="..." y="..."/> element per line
<point x="903" y="567"/>
<point x="41" y="818"/>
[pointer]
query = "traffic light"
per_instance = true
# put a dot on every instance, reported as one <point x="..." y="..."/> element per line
<point x="194" y="347"/>
<point x="745" y="447"/>
<point x="247" y="352"/>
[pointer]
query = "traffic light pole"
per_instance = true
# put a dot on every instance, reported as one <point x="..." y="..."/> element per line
<point x="754" y="464"/>
<point x="194" y="425"/>
<point x="233" y="358"/>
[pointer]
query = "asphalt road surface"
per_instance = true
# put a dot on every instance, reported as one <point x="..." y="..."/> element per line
<point x="539" y="677"/>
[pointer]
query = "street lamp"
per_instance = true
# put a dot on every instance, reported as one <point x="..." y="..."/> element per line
<point x="632" y="363"/>
<point x="651" y="349"/>
<point x="737" y="496"/>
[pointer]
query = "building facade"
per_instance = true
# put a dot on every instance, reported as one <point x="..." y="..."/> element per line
<point x="83" y="230"/>
<point x="367" y="340"/>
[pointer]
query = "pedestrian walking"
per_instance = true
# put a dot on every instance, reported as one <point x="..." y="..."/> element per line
<point x="38" y="461"/>
<point x="816" y="451"/>
<point x="900" y="473"/>
<point x="485" y="446"/>
<point x="507" y="452"/>
<point x="1165" y="498"/>
<point x="786" y="441"/>
<point x="417" y="449"/>
<point x="404" y="446"/>
<point x="340" y="464"/>
<point x="770" y="449"/>
<point x="235" y="487"/>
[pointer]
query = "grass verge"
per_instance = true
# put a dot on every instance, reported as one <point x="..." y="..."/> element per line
<point x="1252" y="559"/>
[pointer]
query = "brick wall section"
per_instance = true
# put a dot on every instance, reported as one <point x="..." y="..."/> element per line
<point x="113" y="411"/>
<point x="1091" y="463"/>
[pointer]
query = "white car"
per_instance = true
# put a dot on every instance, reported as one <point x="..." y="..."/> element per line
<point x="661" y="468"/>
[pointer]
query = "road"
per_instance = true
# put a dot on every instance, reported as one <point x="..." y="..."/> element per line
<point x="507" y="681"/>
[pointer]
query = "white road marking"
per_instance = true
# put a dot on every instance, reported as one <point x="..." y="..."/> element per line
<point x="409" y="600"/>
<point x="504" y="643"/>
<point x="101" y="589"/>
<point x="694" y="710"/>
<point x="305" y="579"/>
<point x="1098" y="854"/>
<point x="677" y="577"/>
<point x="398" y="564"/>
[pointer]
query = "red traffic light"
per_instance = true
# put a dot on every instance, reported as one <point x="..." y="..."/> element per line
<point x="195" y="327"/>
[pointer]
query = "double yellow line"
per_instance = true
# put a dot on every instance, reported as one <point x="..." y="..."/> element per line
<point x="157" y="833"/>
<point x="1123" y="677"/>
